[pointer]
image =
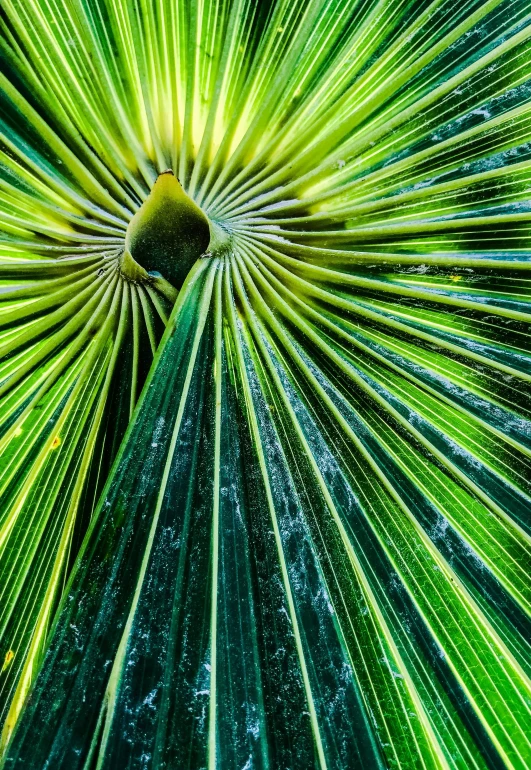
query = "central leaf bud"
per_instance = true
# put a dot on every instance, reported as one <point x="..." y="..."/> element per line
<point x="167" y="234"/>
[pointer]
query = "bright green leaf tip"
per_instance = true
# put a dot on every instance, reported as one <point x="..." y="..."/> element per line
<point x="167" y="234"/>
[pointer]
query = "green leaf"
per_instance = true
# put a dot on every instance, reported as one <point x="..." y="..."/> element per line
<point x="278" y="518"/>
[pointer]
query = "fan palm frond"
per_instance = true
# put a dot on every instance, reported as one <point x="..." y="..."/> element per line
<point x="278" y="516"/>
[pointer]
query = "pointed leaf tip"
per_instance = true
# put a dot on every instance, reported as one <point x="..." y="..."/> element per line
<point x="169" y="231"/>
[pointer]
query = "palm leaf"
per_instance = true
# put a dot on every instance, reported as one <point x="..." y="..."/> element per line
<point x="283" y="522"/>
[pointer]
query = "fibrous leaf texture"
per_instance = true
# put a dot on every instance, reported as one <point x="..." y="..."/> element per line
<point x="282" y="522"/>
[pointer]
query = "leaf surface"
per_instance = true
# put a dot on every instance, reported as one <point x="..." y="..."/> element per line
<point x="285" y="522"/>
